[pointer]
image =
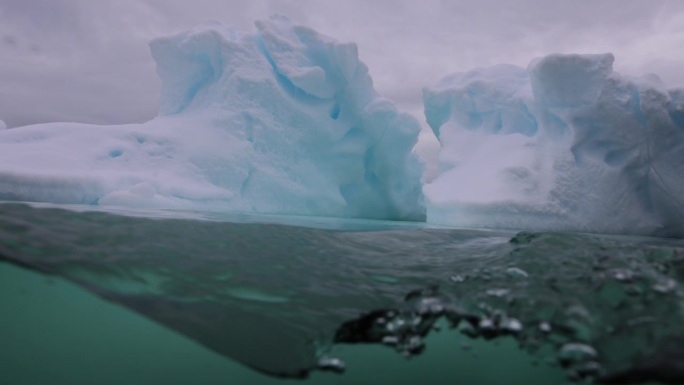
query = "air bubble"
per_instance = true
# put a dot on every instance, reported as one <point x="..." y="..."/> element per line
<point x="516" y="272"/>
<point x="574" y="352"/>
<point x="623" y="275"/>
<point x="457" y="278"/>
<point x="665" y="286"/>
<point x="414" y="345"/>
<point x="430" y="306"/>
<point x="497" y="292"/>
<point x="512" y="325"/>
<point x="390" y="340"/>
<point x="330" y="364"/>
<point x="486" y="324"/>
<point x="545" y="327"/>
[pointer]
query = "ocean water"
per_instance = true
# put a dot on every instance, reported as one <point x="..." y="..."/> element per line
<point x="160" y="297"/>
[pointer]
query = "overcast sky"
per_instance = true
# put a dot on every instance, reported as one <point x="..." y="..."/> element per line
<point x="88" y="60"/>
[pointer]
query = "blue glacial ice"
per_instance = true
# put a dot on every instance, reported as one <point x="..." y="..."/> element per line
<point x="566" y="144"/>
<point x="282" y="120"/>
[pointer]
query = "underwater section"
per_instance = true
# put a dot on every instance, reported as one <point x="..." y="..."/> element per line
<point x="288" y="300"/>
<point x="75" y="337"/>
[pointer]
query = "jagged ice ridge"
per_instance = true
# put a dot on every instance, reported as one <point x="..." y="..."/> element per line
<point x="565" y="144"/>
<point x="285" y="120"/>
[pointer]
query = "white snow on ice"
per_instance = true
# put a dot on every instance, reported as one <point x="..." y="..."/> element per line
<point x="281" y="121"/>
<point x="566" y="144"/>
<point x="285" y="120"/>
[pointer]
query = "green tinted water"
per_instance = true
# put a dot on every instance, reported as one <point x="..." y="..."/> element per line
<point x="53" y="332"/>
<point x="286" y="299"/>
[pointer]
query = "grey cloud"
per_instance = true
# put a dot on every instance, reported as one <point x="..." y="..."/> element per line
<point x="84" y="60"/>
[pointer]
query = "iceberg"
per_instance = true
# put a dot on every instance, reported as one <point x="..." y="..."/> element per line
<point x="565" y="144"/>
<point x="282" y="120"/>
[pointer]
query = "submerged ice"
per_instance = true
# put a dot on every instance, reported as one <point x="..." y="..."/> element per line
<point x="282" y="120"/>
<point x="566" y="144"/>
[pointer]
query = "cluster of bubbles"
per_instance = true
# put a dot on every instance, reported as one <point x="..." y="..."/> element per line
<point x="597" y="306"/>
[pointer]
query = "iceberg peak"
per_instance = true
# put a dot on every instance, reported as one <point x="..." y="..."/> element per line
<point x="566" y="144"/>
<point x="282" y="120"/>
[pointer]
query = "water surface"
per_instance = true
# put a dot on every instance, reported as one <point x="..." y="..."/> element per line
<point x="288" y="297"/>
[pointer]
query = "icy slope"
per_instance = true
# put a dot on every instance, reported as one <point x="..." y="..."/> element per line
<point x="566" y="144"/>
<point x="282" y="120"/>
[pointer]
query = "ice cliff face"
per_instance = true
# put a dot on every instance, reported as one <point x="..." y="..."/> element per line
<point x="283" y="120"/>
<point x="566" y="144"/>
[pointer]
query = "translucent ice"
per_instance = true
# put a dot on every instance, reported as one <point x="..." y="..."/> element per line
<point x="566" y="144"/>
<point x="282" y="120"/>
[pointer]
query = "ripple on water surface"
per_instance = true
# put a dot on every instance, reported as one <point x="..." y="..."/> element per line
<point x="605" y="309"/>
